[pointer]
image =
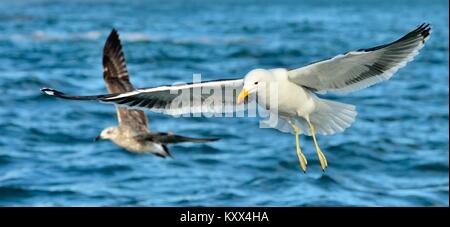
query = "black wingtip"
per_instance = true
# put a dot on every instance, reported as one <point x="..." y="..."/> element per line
<point x="425" y="30"/>
<point x="213" y="139"/>
<point x="114" y="30"/>
<point x="112" y="42"/>
<point x="51" y="92"/>
<point x="168" y="153"/>
<point x="204" y="140"/>
<point x="113" y="35"/>
<point x="55" y="93"/>
<point x="197" y="140"/>
<point x="422" y="31"/>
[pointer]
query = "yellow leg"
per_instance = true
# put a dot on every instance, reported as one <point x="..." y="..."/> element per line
<point x="301" y="157"/>
<point x="322" y="159"/>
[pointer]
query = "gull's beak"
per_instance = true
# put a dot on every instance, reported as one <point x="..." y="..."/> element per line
<point x="97" y="138"/>
<point x="244" y="93"/>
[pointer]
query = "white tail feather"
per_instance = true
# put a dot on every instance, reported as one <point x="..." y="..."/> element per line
<point x="331" y="117"/>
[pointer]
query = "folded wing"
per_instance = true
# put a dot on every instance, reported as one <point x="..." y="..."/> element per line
<point x="168" y="138"/>
<point x="362" y="68"/>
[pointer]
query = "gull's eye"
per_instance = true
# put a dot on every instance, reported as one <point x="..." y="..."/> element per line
<point x="256" y="82"/>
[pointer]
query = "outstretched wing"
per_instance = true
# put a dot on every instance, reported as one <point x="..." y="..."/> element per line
<point x="117" y="80"/>
<point x="207" y="97"/>
<point x="362" y="68"/>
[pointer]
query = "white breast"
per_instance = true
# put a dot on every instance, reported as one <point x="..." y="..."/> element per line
<point x="292" y="99"/>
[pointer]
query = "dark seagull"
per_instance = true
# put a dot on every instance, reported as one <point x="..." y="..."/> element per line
<point x="132" y="133"/>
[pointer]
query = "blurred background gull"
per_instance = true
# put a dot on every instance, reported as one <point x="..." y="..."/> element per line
<point x="396" y="153"/>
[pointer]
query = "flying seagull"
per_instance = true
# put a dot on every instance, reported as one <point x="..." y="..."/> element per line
<point x="132" y="132"/>
<point x="300" y="110"/>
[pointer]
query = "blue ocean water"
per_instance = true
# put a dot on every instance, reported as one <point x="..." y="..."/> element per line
<point x="395" y="154"/>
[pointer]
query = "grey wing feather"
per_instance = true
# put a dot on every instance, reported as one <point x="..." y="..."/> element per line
<point x="362" y="68"/>
<point x="117" y="80"/>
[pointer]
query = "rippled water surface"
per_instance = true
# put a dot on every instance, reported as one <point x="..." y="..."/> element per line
<point x="396" y="153"/>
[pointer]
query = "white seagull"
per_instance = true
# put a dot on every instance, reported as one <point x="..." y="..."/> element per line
<point x="299" y="108"/>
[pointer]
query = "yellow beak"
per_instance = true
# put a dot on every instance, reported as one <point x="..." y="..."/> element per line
<point x="242" y="95"/>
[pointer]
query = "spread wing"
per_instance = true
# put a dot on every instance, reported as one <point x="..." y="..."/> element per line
<point x="362" y="68"/>
<point x="207" y="97"/>
<point x="117" y="80"/>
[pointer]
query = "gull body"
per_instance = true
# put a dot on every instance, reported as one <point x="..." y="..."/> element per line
<point x="292" y="100"/>
<point x="126" y="138"/>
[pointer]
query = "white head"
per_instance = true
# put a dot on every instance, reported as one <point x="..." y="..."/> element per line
<point x="254" y="81"/>
<point x="108" y="133"/>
